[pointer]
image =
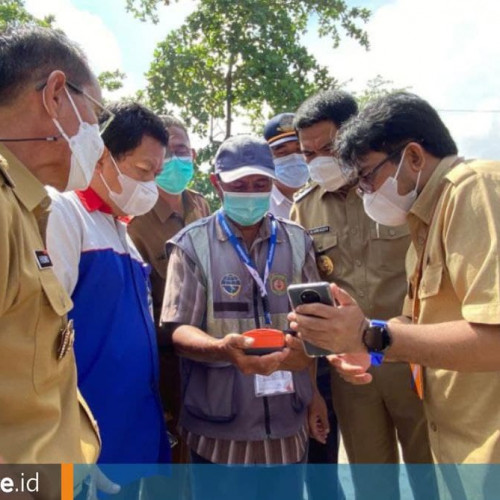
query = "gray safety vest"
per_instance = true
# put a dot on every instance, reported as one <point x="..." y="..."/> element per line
<point x="218" y="400"/>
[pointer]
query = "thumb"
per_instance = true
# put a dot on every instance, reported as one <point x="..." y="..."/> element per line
<point x="341" y="296"/>
<point x="239" y="341"/>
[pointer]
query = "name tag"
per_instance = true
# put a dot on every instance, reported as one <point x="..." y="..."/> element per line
<point x="319" y="230"/>
<point x="280" y="382"/>
<point x="43" y="259"/>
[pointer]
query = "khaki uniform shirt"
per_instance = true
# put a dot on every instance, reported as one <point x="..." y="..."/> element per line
<point x="151" y="231"/>
<point x="43" y="418"/>
<point x="455" y="221"/>
<point x="364" y="258"/>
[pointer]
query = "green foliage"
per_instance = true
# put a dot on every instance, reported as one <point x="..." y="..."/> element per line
<point x="243" y="57"/>
<point x="111" y="80"/>
<point x="375" y="88"/>
<point x="201" y="181"/>
<point x="13" y="12"/>
<point x="146" y="9"/>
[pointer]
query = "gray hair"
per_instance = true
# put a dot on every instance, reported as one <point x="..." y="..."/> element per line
<point x="29" y="54"/>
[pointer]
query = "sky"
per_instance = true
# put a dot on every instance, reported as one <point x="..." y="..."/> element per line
<point x="443" y="50"/>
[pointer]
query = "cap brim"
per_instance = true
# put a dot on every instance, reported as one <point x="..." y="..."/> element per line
<point x="282" y="140"/>
<point x="238" y="173"/>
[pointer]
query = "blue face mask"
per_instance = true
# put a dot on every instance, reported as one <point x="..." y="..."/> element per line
<point x="291" y="170"/>
<point x="176" y="174"/>
<point x="246" y="208"/>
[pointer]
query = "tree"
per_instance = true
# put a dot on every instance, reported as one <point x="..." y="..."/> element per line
<point x="243" y="57"/>
<point x="13" y="12"/>
<point x="375" y="88"/>
<point x="111" y="80"/>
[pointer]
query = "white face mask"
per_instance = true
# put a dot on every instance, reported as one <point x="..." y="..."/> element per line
<point x="386" y="206"/>
<point x="136" y="198"/>
<point x="86" y="148"/>
<point x="326" y="171"/>
<point x="291" y="170"/>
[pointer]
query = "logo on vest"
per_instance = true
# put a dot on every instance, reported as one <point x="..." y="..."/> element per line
<point x="231" y="284"/>
<point x="278" y="283"/>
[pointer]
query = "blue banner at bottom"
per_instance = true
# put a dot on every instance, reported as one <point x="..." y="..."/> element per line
<point x="298" y="482"/>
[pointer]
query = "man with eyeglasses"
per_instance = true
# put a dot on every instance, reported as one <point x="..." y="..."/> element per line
<point x="177" y="206"/>
<point x="409" y="170"/>
<point x="367" y="259"/>
<point x="48" y="136"/>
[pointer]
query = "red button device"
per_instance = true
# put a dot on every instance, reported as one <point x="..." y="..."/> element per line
<point x="266" y="341"/>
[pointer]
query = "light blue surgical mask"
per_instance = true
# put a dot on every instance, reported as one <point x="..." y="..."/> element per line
<point x="176" y="174"/>
<point x="246" y="208"/>
<point x="291" y="170"/>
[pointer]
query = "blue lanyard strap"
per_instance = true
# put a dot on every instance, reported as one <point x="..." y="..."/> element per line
<point x="249" y="263"/>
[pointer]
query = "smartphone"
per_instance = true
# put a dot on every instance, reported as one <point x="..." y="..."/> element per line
<point x="308" y="293"/>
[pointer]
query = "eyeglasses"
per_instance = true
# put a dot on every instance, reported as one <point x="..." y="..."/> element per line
<point x="180" y="152"/>
<point x="365" y="181"/>
<point x="104" y="115"/>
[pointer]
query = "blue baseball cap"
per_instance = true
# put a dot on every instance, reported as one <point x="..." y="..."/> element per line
<point x="244" y="155"/>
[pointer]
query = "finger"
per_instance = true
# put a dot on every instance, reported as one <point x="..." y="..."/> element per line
<point x="317" y="435"/>
<point x="293" y="342"/>
<point x="341" y="296"/>
<point x="239" y="341"/>
<point x="315" y="309"/>
<point x="318" y="432"/>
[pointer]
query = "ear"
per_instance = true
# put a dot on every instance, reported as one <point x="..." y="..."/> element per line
<point x="102" y="160"/>
<point x="215" y="183"/>
<point x="415" y="155"/>
<point x="54" y="93"/>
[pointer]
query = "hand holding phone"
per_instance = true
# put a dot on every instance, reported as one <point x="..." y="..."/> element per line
<point x="308" y="293"/>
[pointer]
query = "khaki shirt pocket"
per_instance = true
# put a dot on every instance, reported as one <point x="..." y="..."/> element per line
<point x="55" y="303"/>
<point x="430" y="282"/>
<point x="327" y="255"/>
<point x="389" y="246"/>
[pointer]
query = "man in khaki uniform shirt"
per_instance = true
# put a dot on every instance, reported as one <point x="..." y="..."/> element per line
<point x="453" y="266"/>
<point x="367" y="260"/>
<point x="176" y="207"/>
<point x="43" y="419"/>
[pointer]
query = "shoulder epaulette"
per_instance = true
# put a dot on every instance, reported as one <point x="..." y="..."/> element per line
<point x="308" y="188"/>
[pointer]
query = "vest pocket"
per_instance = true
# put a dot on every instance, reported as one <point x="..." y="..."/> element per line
<point x="209" y="392"/>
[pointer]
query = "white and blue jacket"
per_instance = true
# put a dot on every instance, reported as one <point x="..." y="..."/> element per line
<point x="115" y="341"/>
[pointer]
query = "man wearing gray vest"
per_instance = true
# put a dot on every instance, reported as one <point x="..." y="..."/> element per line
<point x="227" y="274"/>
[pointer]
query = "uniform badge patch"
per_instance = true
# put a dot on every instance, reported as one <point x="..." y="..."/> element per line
<point x="278" y="283"/>
<point x="231" y="284"/>
<point x="325" y="264"/>
<point x="43" y="259"/>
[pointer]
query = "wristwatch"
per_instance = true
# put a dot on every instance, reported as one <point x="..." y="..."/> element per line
<point x="377" y="340"/>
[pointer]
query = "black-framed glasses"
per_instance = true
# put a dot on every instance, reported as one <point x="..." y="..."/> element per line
<point x="365" y="181"/>
<point x="105" y="116"/>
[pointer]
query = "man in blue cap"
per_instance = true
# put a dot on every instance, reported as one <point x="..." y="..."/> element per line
<point x="290" y="167"/>
<point x="227" y="274"/>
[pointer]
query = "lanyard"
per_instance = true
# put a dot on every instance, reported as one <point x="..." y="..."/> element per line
<point x="249" y="263"/>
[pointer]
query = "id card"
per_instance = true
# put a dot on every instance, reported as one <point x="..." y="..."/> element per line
<point x="279" y="382"/>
